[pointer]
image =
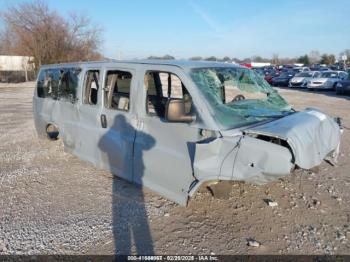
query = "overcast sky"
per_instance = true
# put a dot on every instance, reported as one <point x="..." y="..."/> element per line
<point x="185" y="28"/>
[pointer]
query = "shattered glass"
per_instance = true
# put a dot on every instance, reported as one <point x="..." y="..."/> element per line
<point x="59" y="84"/>
<point x="239" y="96"/>
<point x="68" y="84"/>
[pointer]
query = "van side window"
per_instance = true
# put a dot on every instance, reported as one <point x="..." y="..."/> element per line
<point x="162" y="86"/>
<point x="117" y="90"/>
<point x="68" y="84"/>
<point x="91" y="87"/>
<point x="47" y="85"/>
<point x="58" y="84"/>
<point x="40" y="84"/>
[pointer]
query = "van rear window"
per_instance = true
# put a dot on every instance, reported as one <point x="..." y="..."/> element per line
<point x="58" y="84"/>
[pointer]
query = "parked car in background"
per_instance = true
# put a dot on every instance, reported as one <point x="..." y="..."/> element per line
<point x="323" y="68"/>
<point x="259" y="71"/>
<point x="301" y="79"/>
<point x="343" y="87"/>
<point x="318" y="67"/>
<point x="315" y="67"/>
<point x="337" y="66"/>
<point x="268" y="77"/>
<point x="327" y="80"/>
<point x="283" y="78"/>
<point x="301" y="69"/>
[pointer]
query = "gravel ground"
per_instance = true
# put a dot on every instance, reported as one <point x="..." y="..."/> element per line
<point x="53" y="203"/>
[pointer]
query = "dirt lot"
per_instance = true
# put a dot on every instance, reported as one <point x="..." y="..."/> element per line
<point x="52" y="202"/>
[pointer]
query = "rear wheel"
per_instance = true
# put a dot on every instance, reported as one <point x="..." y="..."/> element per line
<point x="52" y="132"/>
<point x="338" y="91"/>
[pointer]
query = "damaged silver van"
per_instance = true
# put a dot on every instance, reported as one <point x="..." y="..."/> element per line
<point x="173" y="126"/>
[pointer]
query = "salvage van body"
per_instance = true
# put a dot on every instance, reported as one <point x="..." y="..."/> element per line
<point x="173" y="125"/>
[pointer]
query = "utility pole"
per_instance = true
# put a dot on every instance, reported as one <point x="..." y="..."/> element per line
<point x="344" y="58"/>
<point x="119" y="53"/>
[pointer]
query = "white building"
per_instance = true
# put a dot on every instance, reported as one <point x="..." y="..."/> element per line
<point x="259" y="64"/>
<point x="16" y="68"/>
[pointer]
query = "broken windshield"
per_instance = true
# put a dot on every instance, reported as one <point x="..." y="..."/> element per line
<point x="238" y="96"/>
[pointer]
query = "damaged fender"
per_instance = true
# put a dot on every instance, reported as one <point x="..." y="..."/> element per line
<point x="240" y="158"/>
<point x="209" y="163"/>
<point x="260" y="161"/>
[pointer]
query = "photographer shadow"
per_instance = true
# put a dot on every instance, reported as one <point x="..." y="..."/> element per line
<point x="129" y="215"/>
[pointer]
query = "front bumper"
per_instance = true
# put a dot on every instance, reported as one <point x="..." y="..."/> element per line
<point x="319" y="86"/>
<point x="280" y="83"/>
<point x="297" y="84"/>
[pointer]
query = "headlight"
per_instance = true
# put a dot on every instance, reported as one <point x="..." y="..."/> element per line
<point x="339" y="85"/>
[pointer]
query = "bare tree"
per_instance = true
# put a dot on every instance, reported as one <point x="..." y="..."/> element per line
<point x="5" y="42"/>
<point x="196" y="58"/>
<point x="275" y="59"/>
<point x="226" y="59"/>
<point x="31" y="28"/>
<point x="314" y="57"/>
<point x="327" y="59"/>
<point x="164" y="57"/>
<point x="346" y="52"/>
<point x="211" y="58"/>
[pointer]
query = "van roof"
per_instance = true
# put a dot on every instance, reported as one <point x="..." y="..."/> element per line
<point x="178" y="63"/>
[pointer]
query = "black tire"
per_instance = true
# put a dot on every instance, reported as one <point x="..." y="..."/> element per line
<point x="52" y="132"/>
<point x="334" y="86"/>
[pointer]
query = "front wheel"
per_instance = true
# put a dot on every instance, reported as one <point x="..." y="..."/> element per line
<point x="334" y="86"/>
<point x="338" y="91"/>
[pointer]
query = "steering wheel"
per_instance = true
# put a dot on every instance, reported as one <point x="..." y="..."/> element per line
<point x="238" y="98"/>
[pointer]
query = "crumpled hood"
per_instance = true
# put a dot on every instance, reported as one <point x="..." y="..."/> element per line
<point x="311" y="134"/>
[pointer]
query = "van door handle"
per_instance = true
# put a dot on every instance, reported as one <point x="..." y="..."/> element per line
<point x="103" y="121"/>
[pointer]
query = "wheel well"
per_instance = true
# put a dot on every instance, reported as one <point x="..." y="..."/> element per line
<point x="52" y="132"/>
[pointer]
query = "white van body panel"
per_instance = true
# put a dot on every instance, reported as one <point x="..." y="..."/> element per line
<point x="174" y="158"/>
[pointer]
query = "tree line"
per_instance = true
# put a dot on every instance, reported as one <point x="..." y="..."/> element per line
<point x="313" y="58"/>
<point x="32" y="29"/>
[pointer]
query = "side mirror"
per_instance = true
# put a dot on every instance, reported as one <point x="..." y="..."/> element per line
<point x="175" y="111"/>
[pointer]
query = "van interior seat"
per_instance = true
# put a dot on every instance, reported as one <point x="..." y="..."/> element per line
<point x="155" y="102"/>
<point x="121" y="94"/>
<point x="123" y="85"/>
